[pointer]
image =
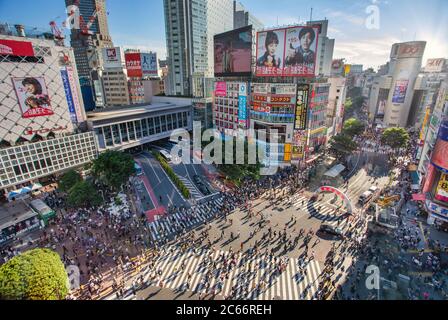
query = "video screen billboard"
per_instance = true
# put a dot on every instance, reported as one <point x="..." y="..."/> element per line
<point x="233" y="53"/>
<point x="149" y="64"/>
<point x="287" y="52"/>
<point x="32" y="94"/>
<point x="401" y="87"/>
<point x="133" y="65"/>
<point x="441" y="193"/>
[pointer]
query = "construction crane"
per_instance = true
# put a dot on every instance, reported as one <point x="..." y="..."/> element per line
<point x="82" y="24"/>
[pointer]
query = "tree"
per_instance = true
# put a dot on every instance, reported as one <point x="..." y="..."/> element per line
<point x="343" y="144"/>
<point x="68" y="180"/>
<point x="113" y="168"/>
<point x="395" y="137"/>
<point x="83" y="194"/>
<point x="37" y="274"/>
<point x="353" y="127"/>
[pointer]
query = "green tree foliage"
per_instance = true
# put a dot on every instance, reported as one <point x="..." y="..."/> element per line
<point x="172" y="175"/>
<point x="37" y="274"/>
<point x="83" y="194"/>
<point x="113" y="168"/>
<point x="69" y="179"/>
<point x="395" y="137"/>
<point x="353" y="127"/>
<point x="343" y="144"/>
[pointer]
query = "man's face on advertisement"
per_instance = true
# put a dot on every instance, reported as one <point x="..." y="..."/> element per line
<point x="306" y="41"/>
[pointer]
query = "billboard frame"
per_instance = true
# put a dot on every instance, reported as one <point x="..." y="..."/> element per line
<point x="284" y="52"/>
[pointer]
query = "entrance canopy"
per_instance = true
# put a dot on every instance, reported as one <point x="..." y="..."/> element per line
<point x="335" y="171"/>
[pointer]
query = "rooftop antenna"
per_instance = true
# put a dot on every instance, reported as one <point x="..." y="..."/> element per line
<point x="277" y="20"/>
<point x="311" y="15"/>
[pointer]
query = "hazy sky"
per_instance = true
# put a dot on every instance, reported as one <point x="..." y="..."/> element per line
<point x="140" y="23"/>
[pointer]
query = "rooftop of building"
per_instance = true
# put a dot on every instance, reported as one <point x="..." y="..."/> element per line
<point x="7" y="29"/>
<point x="133" y="110"/>
<point x="14" y="212"/>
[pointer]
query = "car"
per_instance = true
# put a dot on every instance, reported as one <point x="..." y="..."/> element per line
<point x="330" y="229"/>
<point x="365" y="197"/>
<point x="373" y="189"/>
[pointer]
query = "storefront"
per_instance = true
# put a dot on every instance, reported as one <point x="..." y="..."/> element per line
<point x="17" y="219"/>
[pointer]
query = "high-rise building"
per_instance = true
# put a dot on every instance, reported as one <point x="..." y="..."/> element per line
<point x="243" y="18"/>
<point x="392" y="95"/>
<point x="325" y="48"/>
<point x="87" y="43"/>
<point x="190" y="26"/>
<point x="42" y="114"/>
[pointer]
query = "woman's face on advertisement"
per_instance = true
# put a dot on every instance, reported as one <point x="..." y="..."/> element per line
<point x="305" y="41"/>
<point x="272" y="48"/>
<point x="30" y="88"/>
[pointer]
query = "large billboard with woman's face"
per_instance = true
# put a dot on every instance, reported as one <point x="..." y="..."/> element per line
<point x="33" y="97"/>
<point x="233" y="53"/>
<point x="288" y="52"/>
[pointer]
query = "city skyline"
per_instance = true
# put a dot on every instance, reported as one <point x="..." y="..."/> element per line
<point x="131" y="28"/>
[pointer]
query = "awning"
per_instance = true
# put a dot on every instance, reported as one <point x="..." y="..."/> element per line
<point x="335" y="171"/>
<point x="313" y="159"/>
<point x="419" y="197"/>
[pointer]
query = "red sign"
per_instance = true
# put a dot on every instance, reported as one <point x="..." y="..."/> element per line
<point x="134" y="65"/>
<point x="419" y="197"/>
<point x="16" y="48"/>
<point x="280" y="99"/>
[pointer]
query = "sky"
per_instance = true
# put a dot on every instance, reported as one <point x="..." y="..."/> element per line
<point x="140" y="23"/>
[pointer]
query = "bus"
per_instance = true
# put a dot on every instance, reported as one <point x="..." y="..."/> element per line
<point x="165" y="155"/>
<point x="138" y="169"/>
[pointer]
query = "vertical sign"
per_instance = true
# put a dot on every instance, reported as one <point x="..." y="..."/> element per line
<point x="68" y="95"/>
<point x="301" y="107"/>
<point x="242" y="105"/>
<point x="71" y="79"/>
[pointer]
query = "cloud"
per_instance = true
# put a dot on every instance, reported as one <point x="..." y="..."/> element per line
<point x="350" y="18"/>
<point x="369" y="52"/>
<point x="142" y="44"/>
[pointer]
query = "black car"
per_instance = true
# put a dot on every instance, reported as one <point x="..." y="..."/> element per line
<point x="328" y="228"/>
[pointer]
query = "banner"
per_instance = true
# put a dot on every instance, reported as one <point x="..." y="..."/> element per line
<point x="287" y="52"/>
<point x="16" y="48"/>
<point x="112" y="57"/>
<point x="149" y="64"/>
<point x="242" y="105"/>
<point x="32" y="95"/>
<point x="301" y="107"/>
<point x="401" y="87"/>
<point x="133" y="65"/>
<point x="74" y="90"/>
<point x="68" y="95"/>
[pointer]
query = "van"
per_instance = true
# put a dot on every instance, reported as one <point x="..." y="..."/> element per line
<point x="365" y="197"/>
<point x="374" y="189"/>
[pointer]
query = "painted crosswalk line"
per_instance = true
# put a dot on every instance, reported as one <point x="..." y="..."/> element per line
<point x="191" y="270"/>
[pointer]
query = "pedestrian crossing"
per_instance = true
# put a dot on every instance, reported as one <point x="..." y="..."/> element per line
<point x="250" y="278"/>
<point x="325" y="213"/>
<point x="172" y="224"/>
<point x="193" y="190"/>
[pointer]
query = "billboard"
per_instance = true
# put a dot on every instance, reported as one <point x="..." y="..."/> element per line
<point x="287" y="52"/>
<point x="301" y="106"/>
<point x="133" y="65"/>
<point x="414" y="49"/>
<point x="16" y="48"/>
<point x="337" y="67"/>
<point x="299" y="143"/>
<point x="33" y="98"/>
<point x="149" y="64"/>
<point x="381" y="108"/>
<point x="112" y="57"/>
<point x="401" y="87"/>
<point x="68" y="95"/>
<point x="440" y="154"/>
<point x="220" y="89"/>
<point x="441" y="193"/>
<point x="233" y="53"/>
<point x="435" y="65"/>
